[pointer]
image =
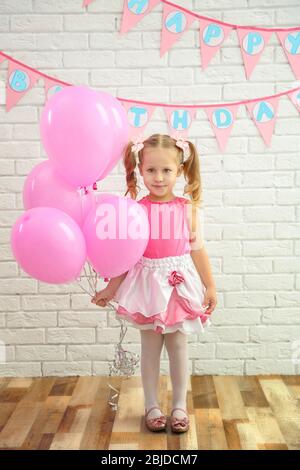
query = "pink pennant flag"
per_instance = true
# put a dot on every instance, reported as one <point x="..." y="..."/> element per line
<point x="180" y="119"/>
<point x="222" y="119"/>
<point x="264" y="114"/>
<point x="175" y="23"/>
<point x="86" y="3"/>
<point x="295" y="99"/>
<point x="134" y="11"/>
<point x="138" y="116"/>
<point x="2" y="58"/>
<point x="212" y="36"/>
<point x="252" y="44"/>
<point x="52" y="87"/>
<point x="290" y="42"/>
<point x="19" y="81"/>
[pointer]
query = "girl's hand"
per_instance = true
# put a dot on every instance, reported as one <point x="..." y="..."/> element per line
<point x="210" y="300"/>
<point x="102" y="297"/>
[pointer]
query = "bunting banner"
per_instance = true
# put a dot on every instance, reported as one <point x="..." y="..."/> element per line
<point x="175" y="24"/>
<point x="180" y="119"/>
<point x="19" y="81"/>
<point x="138" y="116"/>
<point x="252" y="44"/>
<point x="222" y="116"/>
<point x="176" y="21"/>
<point x="263" y="114"/>
<point x="86" y="3"/>
<point x="295" y="98"/>
<point x="134" y="12"/>
<point x="221" y="120"/>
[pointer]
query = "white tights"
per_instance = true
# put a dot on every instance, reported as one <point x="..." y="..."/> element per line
<point x="177" y="348"/>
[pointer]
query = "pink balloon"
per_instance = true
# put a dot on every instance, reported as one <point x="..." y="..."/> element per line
<point x="48" y="245"/>
<point x="45" y="187"/>
<point x="120" y="128"/>
<point x="116" y="233"/>
<point x="77" y="134"/>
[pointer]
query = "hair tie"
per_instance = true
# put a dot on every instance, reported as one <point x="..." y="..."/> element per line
<point x="138" y="143"/>
<point x="183" y="144"/>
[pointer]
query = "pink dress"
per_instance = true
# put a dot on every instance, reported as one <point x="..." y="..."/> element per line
<point x="163" y="290"/>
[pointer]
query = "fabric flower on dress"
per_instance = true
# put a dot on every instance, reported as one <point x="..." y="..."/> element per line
<point x="175" y="278"/>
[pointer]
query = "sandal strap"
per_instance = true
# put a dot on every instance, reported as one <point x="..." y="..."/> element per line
<point x="153" y="408"/>
<point x="180" y="409"/>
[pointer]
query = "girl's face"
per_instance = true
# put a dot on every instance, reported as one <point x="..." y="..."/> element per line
<point x="159" y="169"/>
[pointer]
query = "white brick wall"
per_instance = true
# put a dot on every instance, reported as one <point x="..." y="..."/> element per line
<point x="251" y="193"/>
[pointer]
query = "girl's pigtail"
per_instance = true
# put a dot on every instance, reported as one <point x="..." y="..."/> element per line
<point x="130" y="165"/>
<point x="191" y="171"/>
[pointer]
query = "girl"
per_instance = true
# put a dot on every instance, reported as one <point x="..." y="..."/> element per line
<point x="170" y="292"/>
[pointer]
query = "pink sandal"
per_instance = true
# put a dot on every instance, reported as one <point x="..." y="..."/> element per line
<point x="180" y="424"/>
<point x="155" y="424"/>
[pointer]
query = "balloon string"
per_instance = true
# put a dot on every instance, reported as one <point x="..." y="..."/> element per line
<point x="96" y="280"/>
<point x="124" y="362"/>
<point x="93" y="277"/>
<point x="81" y="287"/>
<point x="91" y="272"/>
<point x="89" y="281"/>
<point x="81" y="204"/>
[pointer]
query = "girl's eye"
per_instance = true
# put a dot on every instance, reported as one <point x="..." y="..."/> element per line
<point x="166" y="169"/>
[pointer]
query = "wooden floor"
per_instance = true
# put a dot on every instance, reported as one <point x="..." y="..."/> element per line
<point x="226" y="412"/>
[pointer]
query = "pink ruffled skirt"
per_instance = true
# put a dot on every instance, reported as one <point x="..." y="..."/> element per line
<point x="163" y="294"/>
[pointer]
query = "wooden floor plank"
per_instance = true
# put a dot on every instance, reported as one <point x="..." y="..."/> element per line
<point x="229" y="398"/>
<point x="286" y="409"/>
<point x="226" y="413"/>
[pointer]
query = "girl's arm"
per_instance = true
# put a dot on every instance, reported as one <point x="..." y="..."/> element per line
<point x="200" y="259"/>
<point x="115" y="282"/>
<point x="202" y="264"/>
<point x="198" y="251"/>
<point x="105" y="295"/>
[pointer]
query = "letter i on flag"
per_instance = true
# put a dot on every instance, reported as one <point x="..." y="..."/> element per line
<point x="134" y="11"/>
<point x="52" y="87"/>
